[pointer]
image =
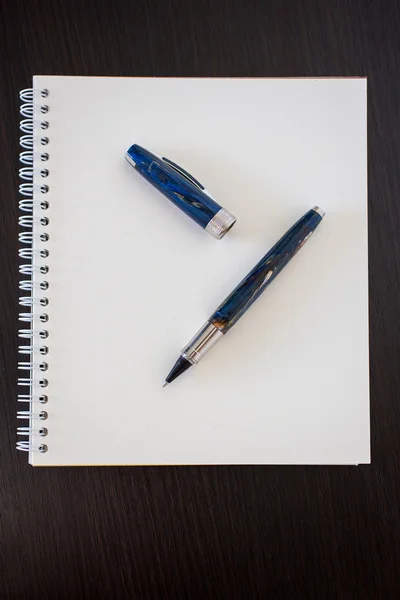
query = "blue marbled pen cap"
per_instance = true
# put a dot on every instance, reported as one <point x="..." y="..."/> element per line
<point x="182" y="189"/>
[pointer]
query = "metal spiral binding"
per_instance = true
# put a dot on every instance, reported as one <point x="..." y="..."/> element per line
<point x="34" y="237"/>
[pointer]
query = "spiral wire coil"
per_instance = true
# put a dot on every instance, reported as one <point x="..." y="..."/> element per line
<point x="33" y="236"/>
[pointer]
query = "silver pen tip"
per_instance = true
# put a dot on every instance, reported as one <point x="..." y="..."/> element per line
<point x="165" y="383"/>
<point x="319" y="210"/>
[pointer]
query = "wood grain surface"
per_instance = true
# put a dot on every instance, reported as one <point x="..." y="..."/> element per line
<point x="280" y="533"/>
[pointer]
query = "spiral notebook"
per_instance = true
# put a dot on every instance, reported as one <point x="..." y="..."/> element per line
<point x="115" y="280"/>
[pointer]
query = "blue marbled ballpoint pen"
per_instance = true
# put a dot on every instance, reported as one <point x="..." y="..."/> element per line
<point x="182" y="189"/>
<point x="247" y="292"/>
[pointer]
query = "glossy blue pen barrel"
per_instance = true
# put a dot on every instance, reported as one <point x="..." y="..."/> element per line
<point x="182" y="189"/>
<point x="263" y="274"/>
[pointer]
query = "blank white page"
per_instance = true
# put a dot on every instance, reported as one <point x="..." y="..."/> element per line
<point x="132" y="278"/>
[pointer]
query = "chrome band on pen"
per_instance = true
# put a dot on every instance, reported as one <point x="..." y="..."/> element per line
<point x="220" y="224"/>
<point x="319" y="211"/>
<point x="201" y="343"/>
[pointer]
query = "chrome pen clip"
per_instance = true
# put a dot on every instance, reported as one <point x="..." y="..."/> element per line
<point x="184" y="174"/>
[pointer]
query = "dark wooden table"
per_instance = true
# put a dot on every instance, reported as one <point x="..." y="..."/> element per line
<point x="208" y="532"/>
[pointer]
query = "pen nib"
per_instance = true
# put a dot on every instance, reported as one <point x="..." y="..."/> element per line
<point x="165" y="383"/>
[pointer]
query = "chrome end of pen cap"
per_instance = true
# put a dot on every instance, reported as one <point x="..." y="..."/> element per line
<point x="220" y="224"/>
<point x="130" y="160"/>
